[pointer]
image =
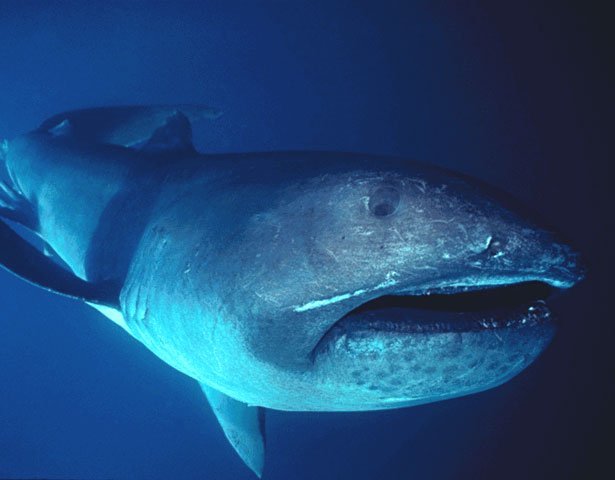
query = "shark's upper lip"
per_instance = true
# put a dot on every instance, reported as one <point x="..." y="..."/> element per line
<point x="393" y="283"/>
<point x="556" y="278"/>
<point x="446" y="287"/>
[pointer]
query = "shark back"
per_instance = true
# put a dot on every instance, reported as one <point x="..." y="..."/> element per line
<point x="81" y="184"/>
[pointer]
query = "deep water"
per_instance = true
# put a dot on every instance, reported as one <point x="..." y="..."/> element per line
<point x="516" y="95"/>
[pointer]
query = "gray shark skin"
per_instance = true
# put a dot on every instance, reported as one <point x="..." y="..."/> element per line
<point x="300" y="281"/>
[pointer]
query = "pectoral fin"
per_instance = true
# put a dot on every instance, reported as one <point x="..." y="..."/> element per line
<point x="243" y="426"/>
<point x="24" y="260"/>
<point x="123" y="125"/>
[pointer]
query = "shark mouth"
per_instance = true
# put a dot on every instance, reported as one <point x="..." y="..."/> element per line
<point x="449" y="310"/>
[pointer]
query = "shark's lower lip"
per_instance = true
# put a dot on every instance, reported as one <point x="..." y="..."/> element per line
<point x="458" y="310"/>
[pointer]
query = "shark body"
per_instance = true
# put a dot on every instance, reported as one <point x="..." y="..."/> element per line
<point x="306" y="281"/>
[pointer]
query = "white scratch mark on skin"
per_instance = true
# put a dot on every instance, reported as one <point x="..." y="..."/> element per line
<point x="327" y="301"/>
<point x="463" y="230"/>
<point x="328" y="250"/>
<point x="398" y="234"/>
<point x="446" y="222"/>
<point x="267" y="298"/>
<point x="420" y="184"/>
<point x="389" y="282"/>
<point x="424" y="267"/>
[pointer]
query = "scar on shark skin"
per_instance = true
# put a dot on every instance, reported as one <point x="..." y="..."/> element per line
<point x="389" y="282"/>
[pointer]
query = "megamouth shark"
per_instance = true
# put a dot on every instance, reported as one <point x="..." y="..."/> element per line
<point x="297" y="281"/>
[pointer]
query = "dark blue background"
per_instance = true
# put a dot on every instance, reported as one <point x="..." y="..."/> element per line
<point x="517" y="95"/>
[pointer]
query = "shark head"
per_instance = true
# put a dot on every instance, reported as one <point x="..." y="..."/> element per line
<point x="367" y="288"/>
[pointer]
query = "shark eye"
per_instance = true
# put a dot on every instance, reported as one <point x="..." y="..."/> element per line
<point x="384" y="201"/>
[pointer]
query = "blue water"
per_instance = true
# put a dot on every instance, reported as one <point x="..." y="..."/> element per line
<point x="518" y="96"/>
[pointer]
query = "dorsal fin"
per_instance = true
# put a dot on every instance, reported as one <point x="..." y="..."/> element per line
<point x="175" y="135"/>
<point x="24" y="260"/>
<point x="123" y="125"/>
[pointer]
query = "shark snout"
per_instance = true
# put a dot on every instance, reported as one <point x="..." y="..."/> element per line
<point x="566" y="267"/>
<point x="534" y="257"/>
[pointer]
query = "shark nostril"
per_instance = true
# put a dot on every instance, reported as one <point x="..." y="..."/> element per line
<point x="384" y="201"/>
<point x="495" y="247"/>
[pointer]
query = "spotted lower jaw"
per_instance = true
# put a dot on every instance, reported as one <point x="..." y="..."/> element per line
<point x="397" y="351"/>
